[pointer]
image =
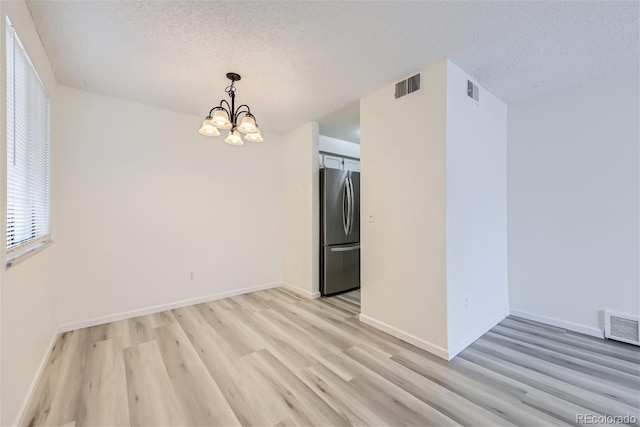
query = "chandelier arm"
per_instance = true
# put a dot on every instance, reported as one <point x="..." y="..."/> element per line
<point x="240" y="111"/>
<point x="220" y="107"/>
<point x="228" y="109"/>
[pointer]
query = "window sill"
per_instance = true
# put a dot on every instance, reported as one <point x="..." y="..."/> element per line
<point x="28" y="253"/>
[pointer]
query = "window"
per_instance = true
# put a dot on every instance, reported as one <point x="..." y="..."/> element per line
<point x="28" y="138"/>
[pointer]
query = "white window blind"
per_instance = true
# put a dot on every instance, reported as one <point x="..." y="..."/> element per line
<point x="27" y="150"/>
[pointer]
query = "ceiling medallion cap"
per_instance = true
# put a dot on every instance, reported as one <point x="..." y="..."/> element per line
<point x="234" y="77"/>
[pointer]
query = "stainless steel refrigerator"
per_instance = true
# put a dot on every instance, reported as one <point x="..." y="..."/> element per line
<point x="339" y="231"/>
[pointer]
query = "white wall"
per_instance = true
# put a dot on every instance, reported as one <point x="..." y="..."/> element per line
<point x="144" y="200"/>
<point x="477" y="294"/>
<point x="338" y="146"/>
<point x="28" y="295"/>
<point x="434" y="261"/>
<point x="301" y="204"/>
<point x="403" y="267"/>
<point x="573" y="204"/>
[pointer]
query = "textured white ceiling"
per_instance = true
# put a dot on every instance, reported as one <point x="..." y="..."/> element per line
<point x="300" y="61"/>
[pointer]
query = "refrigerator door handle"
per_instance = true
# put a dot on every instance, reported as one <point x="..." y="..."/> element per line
<point x="352" y="204"/>
<point x="348" y="184"/>
<point x="345" y="215"/>
<point x="346" y="249"/>
<point x="349" y="207"/>
<point x="348" y="188"/>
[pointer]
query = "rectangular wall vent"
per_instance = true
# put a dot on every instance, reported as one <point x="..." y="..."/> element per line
<point x="413" y="83"/>
<point x="401" y="89"/>
<point x="622" y="328"/>
<point x="407" y="86"/>
<point x="472" y="91"/>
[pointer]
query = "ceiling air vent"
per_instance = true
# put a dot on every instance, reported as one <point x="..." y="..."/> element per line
<point x="472" y="91"/>
<point x="622" y="328"/>
<point x="408" y="86"/>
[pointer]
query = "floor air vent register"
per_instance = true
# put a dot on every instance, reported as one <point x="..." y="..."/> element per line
<point x="623" y="328"/>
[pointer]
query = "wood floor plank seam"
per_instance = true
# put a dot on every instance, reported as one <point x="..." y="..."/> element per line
<point x="617" y="349"/>
<point x="578" y="364"/>
<point x="565" y="350"/>
<point x="561" y="391"/>
<point x="606" y="389"/>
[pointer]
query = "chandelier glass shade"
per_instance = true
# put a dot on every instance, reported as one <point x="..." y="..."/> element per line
<point x="234" y="138"/>
<point x="208" y="129"/>
<point x="227" y="116"/>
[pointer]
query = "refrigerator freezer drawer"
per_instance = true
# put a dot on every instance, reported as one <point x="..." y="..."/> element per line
<point x="340" y="269"/>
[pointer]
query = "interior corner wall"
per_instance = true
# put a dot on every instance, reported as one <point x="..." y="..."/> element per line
<point x="403" y="270"/>
<point x="144" y="200"/>
<point x="573" y="198"/>
<point x="476" y="159"/>
<point x="28" y="294"/>
<point x="301" y="210"/>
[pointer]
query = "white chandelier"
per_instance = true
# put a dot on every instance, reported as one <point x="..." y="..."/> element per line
<point x="227" y="118"/>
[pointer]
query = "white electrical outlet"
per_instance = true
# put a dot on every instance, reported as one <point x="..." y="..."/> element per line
<point x="371" y="217"/>
<point x="192" y="275"/>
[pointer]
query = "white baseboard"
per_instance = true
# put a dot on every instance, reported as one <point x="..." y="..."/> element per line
<point x="476" y="333"/>
<point x="19" y="421"/>
<point x="162" y="307"/>
<point x="575" y="327"/>
<point x="303" y="292"/>
<point x="404" y="336"/>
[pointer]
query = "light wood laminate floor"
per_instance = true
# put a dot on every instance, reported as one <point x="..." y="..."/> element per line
<point x="271" y="358"/>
